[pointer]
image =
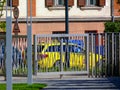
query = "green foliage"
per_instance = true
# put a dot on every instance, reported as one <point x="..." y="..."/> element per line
<point x="112" y="27"/>
<point x="2" y="2"/>
<point x="3" y="26"/>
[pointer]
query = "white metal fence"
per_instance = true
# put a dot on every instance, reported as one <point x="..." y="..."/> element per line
<point x="96" y="54"/>
<point x="62" y="54"/>
<point x="100" y="51"/>
<point x="106" y="47"/>
<point x="19" y="54"/>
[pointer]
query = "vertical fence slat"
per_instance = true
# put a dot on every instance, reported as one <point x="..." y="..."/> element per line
<point x="35" y="56"/>
<point x="106" y="54"/>
<point x="96" y="67"/>
<point x="115" y="54"/>
<point x="112" y="53"/>
<point x="88" y="54"/>
<point x="99" y="61"/>
<point x="61" y="53"/>
<point x="119" y="54"/>
<point x="92" y="68"/>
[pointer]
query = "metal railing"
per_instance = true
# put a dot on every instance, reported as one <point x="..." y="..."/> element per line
<point x="103" y="51"/>
<point x="61" y="54"/>
<point x="19" y="54"/>
<point x="106" y="47"/>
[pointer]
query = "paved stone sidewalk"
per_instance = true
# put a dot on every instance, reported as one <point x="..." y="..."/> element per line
<point x="84" y="84"/>
<point x="73" y="83"/>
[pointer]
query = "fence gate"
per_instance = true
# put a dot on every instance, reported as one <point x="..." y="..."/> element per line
<point x="61" y="54"/>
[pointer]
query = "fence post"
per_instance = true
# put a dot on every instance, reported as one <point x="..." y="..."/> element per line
<point x="88" y="65"/>
<point x="106" y="54"/>
<point x="99" y="61"/>
<point x="119" y="54"/>
<point x="113" y="54"/>
<point x="92" y="68"/>
<point x="96" y="35"/>
<point x="61" y="53"/>
<point x="29" y="53"/>
<point x="9" y="53"/>
<point x="35" y="55"/>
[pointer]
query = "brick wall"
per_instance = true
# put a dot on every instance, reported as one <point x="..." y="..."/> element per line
<point x="74" y="27"/>
<point x="116" y="8"/>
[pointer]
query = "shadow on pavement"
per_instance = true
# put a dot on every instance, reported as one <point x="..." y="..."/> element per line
<point x="91" y="83"/>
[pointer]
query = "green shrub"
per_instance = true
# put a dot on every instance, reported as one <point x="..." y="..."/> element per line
<point x="112" y="27"/>
<point x="3" y="26"/>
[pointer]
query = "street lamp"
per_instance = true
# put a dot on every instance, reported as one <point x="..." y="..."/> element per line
<point x="67" y="32"/>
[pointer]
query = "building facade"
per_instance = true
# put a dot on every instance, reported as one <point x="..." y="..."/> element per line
<point x="117" y="8"/>
<point x="85" y="16"/>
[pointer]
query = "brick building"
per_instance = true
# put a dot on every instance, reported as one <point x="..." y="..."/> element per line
<point x="117" y="7"/>
<point x="49" y="15"/>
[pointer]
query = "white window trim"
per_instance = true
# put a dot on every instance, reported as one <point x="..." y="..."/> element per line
<point x="58" y="8"/>
<point x="91" y="8"/>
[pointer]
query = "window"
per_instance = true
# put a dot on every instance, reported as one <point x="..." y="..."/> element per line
<point x="92" y="2"/>
<point x="59" y="2"/>
<point x="83" y="3"/>
<point x="52" y="3"/>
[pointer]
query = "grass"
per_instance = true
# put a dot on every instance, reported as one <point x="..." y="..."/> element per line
<point x="35" y="86"/>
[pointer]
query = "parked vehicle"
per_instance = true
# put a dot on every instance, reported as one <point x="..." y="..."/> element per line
<point x="49" y="55"/>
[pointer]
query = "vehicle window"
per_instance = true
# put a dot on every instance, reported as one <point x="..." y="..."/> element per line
<point x="55" y="48"/>
<point x="70" y="48"/>
<point x="40" y="48"/>
<point x="78" y="49"/>
<point x="73" y="48"/>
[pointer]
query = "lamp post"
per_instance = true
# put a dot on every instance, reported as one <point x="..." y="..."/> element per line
<point x="112" y="10"/>
<point x="66" y="17"/>
<point x="67" y="32"/>
<point x="29" y="43"/>
<point x="9" y="47"/>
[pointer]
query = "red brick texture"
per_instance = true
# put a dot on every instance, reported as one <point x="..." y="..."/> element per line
<point x="74" y="27"/>
<point x="116" y="8"/>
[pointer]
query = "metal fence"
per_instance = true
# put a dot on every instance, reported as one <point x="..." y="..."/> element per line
<point x="103" y="51"/>
<point x="106" y="47"/>
<point x="62" y="54"/>
<point x="19" y="54"/>
<point x="97" y="55"/>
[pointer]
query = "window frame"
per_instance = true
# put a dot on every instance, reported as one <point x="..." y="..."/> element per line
<point x="57" y="4"/>
<point x="88" y="3"/>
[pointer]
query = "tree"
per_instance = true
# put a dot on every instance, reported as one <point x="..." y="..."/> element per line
<point x="112" y="27"/>
<point x="2" y="27"/>
<point x="2" y="2"/>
